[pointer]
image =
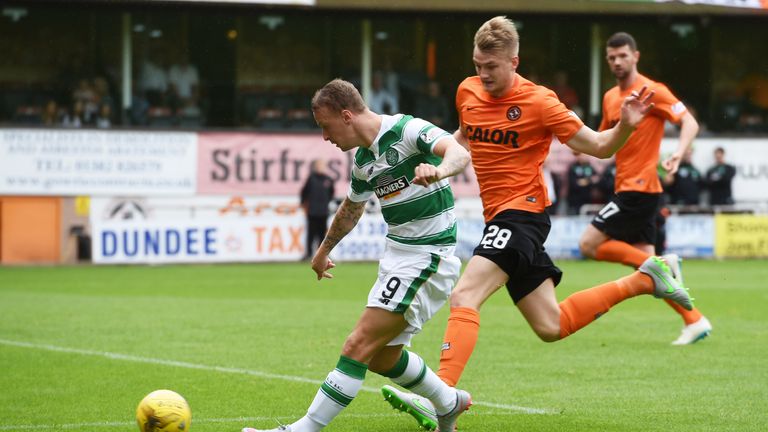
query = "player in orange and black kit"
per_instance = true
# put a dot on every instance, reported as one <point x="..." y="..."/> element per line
<point x="624" y="231"/>
<point x="508" y="123"/>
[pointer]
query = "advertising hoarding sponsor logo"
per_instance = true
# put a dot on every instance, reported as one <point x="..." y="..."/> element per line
<point x="741" y="236"/>
<point x="265" y="164"/>
<point x="141" y="230"/>
<point x="90" y="162"/>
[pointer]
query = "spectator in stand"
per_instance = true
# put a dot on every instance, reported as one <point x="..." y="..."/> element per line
<point x="189" y="109"/>
<point x="103" y="95"/>
<point x="50" y="115"/>
<point x="75" y="117"/>
<point x="607" y="182"/>
<point x="382" y="100"/>
<point x="85" y="93"/>
<point x="184" y="82"/>
<point x="605" y="185"/>
<point x="153" y="79"/>
<point x="582" y="178"/>
<point x="316" y="194"/>
<point x="718" y="180"/>
<point x="684" y="186"/>
<point x="391" y="79"/>
<point x="433" y="107"/>
<point x="104" y="119"/>
<point x="139" y="110"/>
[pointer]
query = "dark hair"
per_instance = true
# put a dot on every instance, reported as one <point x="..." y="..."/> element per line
<point x="618" y="40"/>
<point x="338" y="95"/>
<point x="720" y="149"/>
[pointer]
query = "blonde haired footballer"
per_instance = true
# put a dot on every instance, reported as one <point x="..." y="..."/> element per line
<point x="507" y="122"/>
<point x="405" y="162"/>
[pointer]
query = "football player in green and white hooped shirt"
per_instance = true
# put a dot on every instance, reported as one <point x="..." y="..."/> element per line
<point x="405" y="161"/>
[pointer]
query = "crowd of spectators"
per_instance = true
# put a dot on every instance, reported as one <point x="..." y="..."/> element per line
<point x="689" y="187"/>
<point x="586" y="183"/>
<point x="582" y="183"/>
<point x="163" y="96"/>
<point x="166" y="95"/>
<point x="87" y="103"/>
<point x="391" y="93"/>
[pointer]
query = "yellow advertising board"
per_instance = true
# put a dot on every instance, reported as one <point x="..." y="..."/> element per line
<point x="741" y="236"/>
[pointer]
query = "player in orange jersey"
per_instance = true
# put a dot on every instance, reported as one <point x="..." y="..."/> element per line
<point x="624" y="230"/>
<point x="508" y="123"/>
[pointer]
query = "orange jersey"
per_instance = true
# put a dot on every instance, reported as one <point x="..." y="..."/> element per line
<point x="636" y="162"/>
<point x="509" y="138"/>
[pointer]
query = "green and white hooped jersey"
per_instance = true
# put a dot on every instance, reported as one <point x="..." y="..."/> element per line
<point x="416" y="216"/>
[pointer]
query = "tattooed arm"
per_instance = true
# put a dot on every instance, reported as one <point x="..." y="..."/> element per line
<point x="343" y="222"/>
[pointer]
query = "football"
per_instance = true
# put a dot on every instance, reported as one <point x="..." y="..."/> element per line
<point x="163" y="411"/>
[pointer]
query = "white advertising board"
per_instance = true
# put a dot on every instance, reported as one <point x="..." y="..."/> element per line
<point x="691" y="236"/>
<point x="91" y="162"/>
<point x="563" y="239"/>
<point x="155" y="230"/>
<point x="270" y="238"/>
<point x="255" y="229"/>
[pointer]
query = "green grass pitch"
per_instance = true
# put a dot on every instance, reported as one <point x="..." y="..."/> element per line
<point x="249" y="344"/>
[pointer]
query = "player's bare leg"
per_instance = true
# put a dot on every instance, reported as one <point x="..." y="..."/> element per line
<point x="542" y="312"/>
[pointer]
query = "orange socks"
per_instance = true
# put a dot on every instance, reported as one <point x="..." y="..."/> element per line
<point x="620" y="252"/>
<point x="458" y="343"/>
<point x="583" y="307"/>
<point x="689" y="316"/>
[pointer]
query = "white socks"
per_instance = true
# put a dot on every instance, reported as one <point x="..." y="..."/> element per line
<point x="338" y="391"/>
<point x="413" y="373"/>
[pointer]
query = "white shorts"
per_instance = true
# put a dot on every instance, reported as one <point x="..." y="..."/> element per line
<point x="414" y="283"/>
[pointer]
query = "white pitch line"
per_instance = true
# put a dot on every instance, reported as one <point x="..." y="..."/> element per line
<point x="239" y="420"/>
<point x="63" y="426"/>
<point x="127" y="423"/>
<point x="230" y="370"/>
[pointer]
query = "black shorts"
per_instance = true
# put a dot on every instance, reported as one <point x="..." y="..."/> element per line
<point x="630" y="217"/>
<point x="514" y="240"/>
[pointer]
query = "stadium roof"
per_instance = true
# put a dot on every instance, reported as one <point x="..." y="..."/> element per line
<point x="647" y="7"/>
<point x="564" y="6"/>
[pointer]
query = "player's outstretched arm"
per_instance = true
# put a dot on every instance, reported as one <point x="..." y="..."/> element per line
<point x="689" y="128"/>
<point x="455" y="159"/>
<point x="344" y="221"/>
<point x="604" y="144"/>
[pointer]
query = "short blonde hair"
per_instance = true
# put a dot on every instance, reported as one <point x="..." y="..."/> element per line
<point x="498" y="34"/>
<point x="338" y="95"/>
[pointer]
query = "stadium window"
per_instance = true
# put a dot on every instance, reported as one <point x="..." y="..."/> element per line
<point x="47" y="50"/>
<point x="272" y="58"/>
